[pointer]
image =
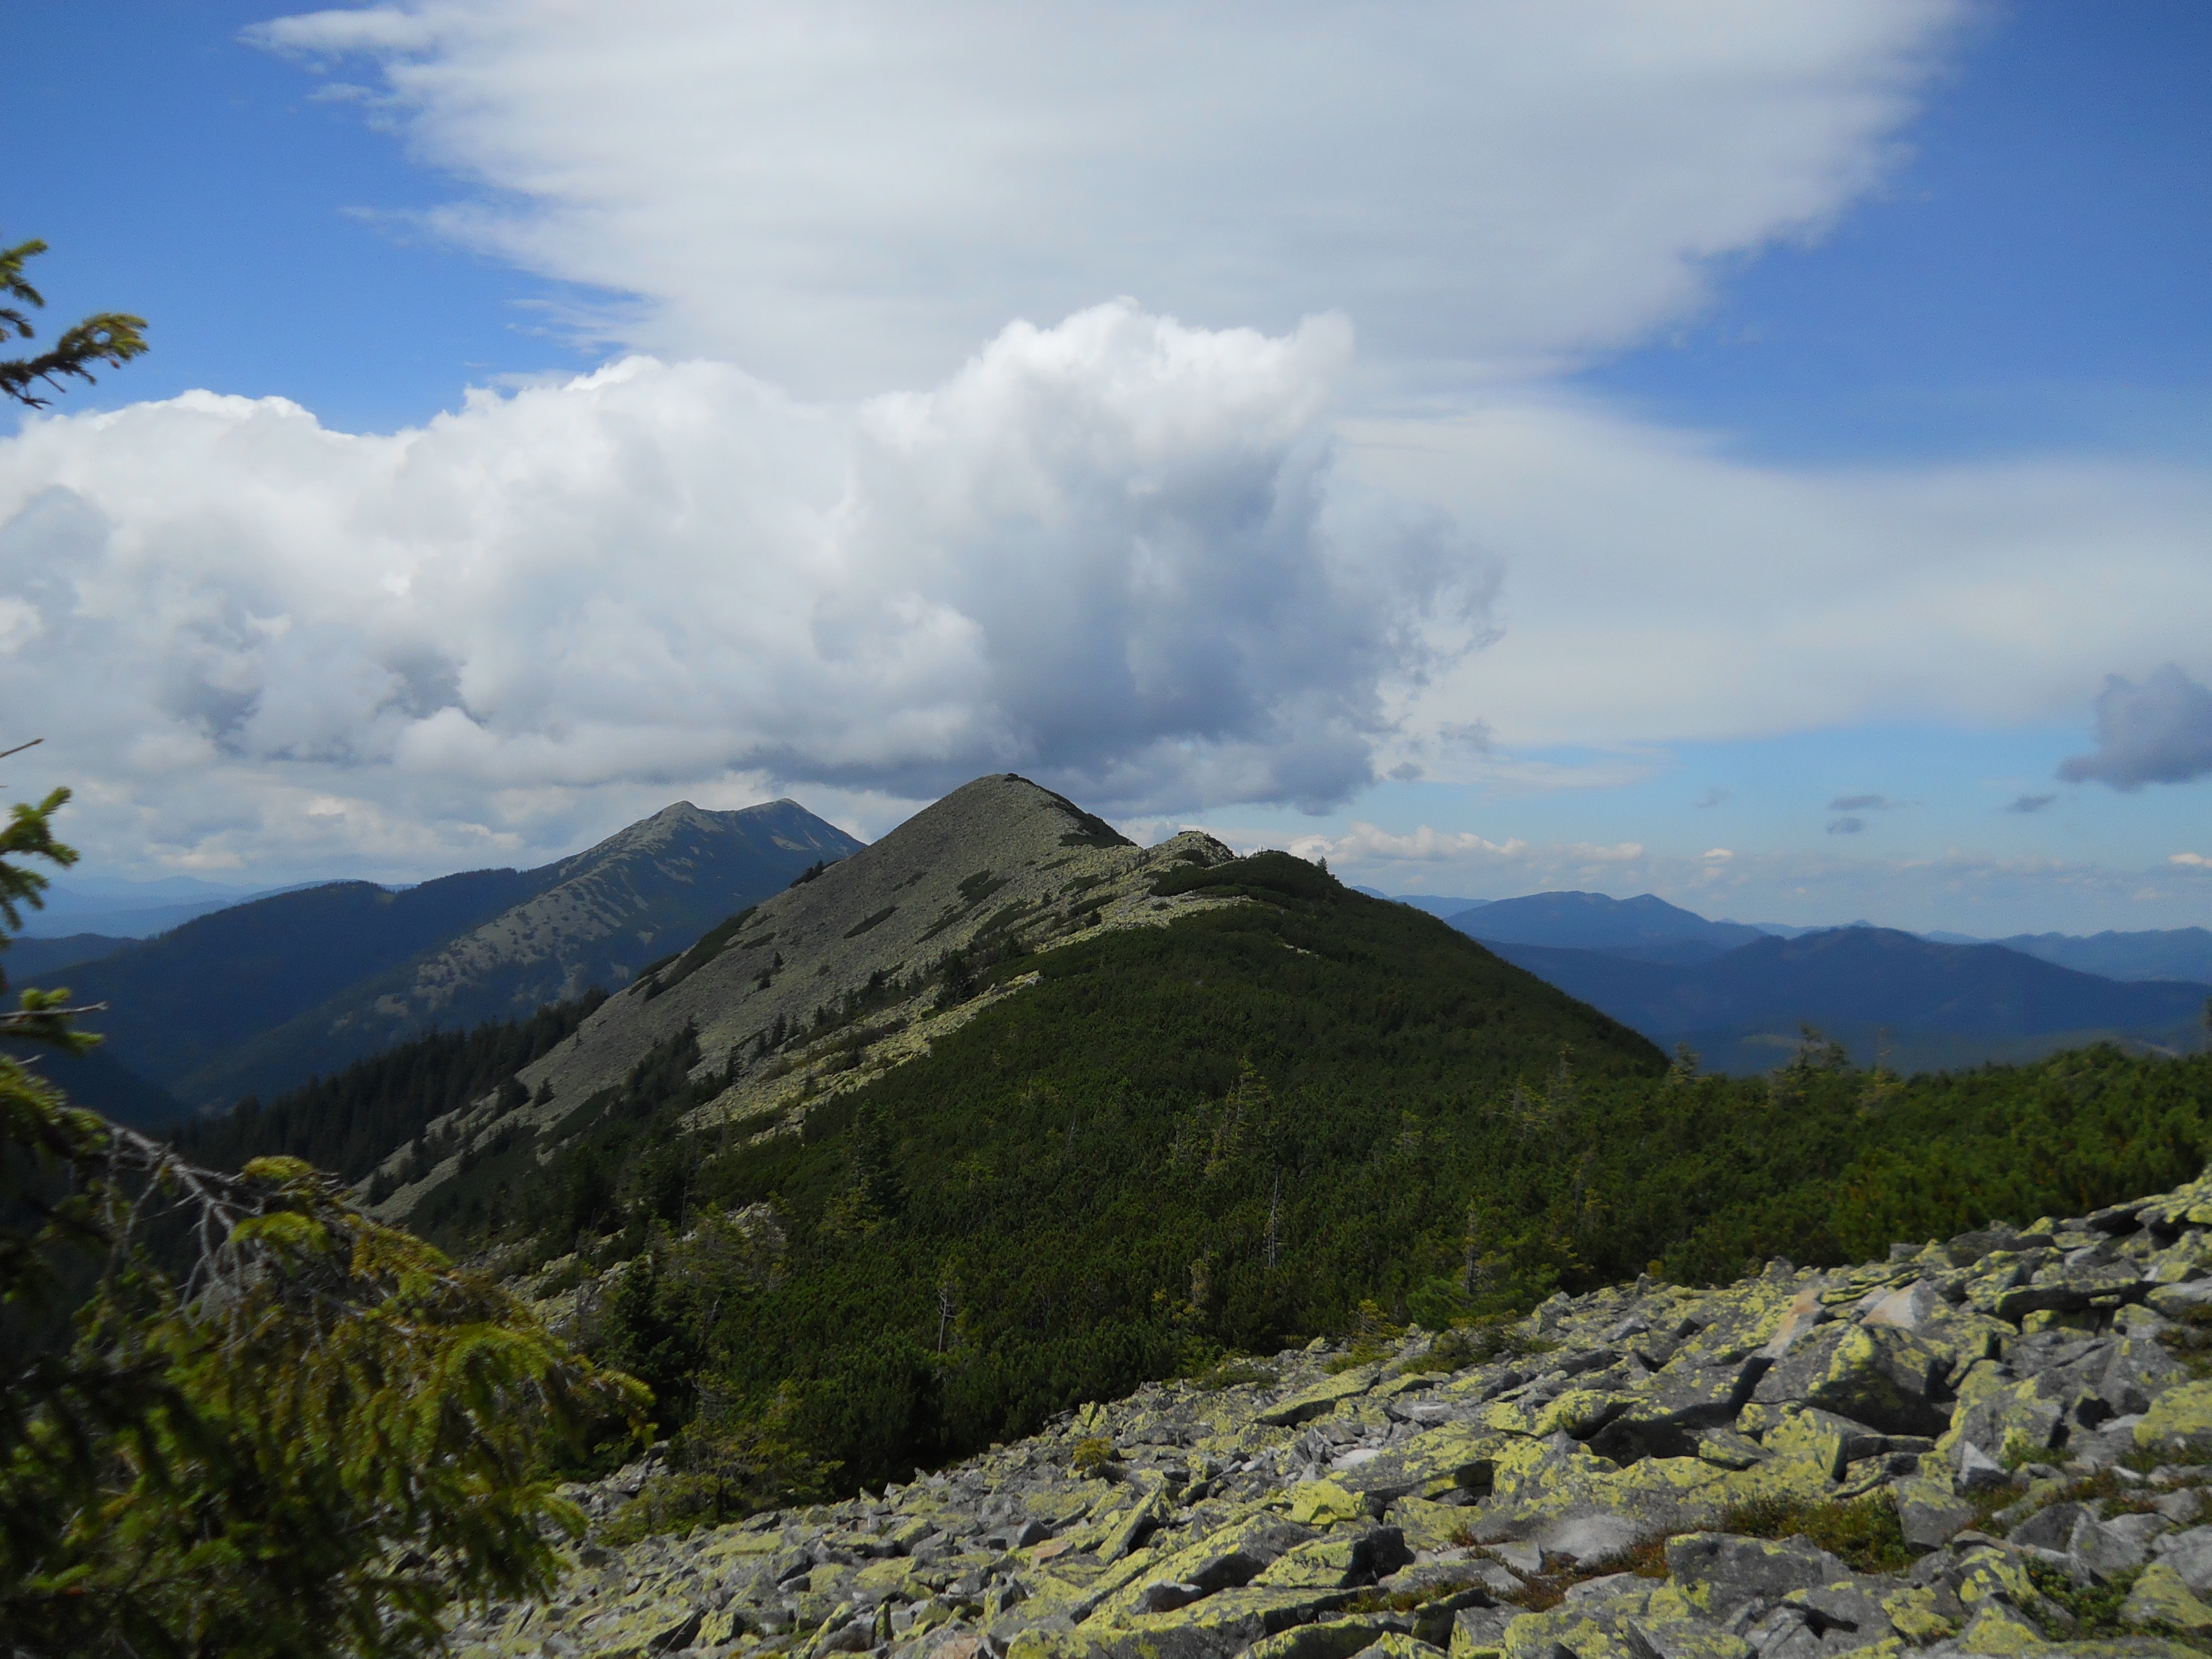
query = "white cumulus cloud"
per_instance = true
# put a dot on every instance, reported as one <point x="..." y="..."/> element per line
<point x="1115" y="553"/>
<point x="1366" y="845"/>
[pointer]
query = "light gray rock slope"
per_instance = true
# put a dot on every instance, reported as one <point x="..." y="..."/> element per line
<point x="1000" y="865"/>
<point x="2021" y="1421"/>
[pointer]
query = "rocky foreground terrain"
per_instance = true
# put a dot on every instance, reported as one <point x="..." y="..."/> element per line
<point x="2000" y="1440"/>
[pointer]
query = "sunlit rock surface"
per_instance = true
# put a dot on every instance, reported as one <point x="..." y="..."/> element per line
<point x="2005" y="1434"/>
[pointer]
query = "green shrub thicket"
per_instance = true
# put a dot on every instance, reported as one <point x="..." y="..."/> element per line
<point x="347" y="1123"/>
<point x="1230" y="1135"/>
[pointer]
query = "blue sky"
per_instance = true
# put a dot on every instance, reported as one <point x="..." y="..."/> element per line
<point x="2028" y="279"/>
<point x="194" y="179"/>
<point x="1884" y="326"/>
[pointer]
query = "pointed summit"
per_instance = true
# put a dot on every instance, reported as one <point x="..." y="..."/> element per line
<point x="1000" y="867"/>
<point x="326" y="974"/>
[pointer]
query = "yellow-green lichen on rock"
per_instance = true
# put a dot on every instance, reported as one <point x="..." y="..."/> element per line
<point x="1864" y="1417"/>
<point x="2180" y="1419"/>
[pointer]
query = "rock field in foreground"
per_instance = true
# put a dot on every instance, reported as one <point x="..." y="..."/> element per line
<point x="2032" y="1404"/>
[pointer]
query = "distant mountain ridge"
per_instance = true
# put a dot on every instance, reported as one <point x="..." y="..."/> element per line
<point x="177" y="1001"/>
<point x="2170" y="953"/>
<point x="1935" y="1006"/>
<point x="1739" y="993"/>
<point x="28" y="958"/>
<point x="1646" y="927"/>
<point x="133" y="909"/>
<point x="258" y="997"/>
<point x="1867" y="975"/>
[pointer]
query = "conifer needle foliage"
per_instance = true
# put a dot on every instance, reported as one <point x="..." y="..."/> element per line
<point x="109" y="337"/>
<point x="309" y="1436"/>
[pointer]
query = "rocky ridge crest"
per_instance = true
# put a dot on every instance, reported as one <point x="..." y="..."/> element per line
<point x="608" y="894"/>
<point x="2006" y="1435"/>
<point x="591" y="919"/>
<point x="1001" y="866"/>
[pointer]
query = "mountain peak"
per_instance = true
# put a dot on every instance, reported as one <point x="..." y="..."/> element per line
<point x="1001" y="866"/>
<point x="348" y="969"/>
<point x="1596" y="921"/>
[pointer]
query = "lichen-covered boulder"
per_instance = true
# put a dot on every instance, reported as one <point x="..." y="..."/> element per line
<point x="2159" y="1599"/>
<point x="2180" y="1419"/>
<point x="1994" y="1401"/>
<point x="1877" y="1375"/>
<point x="1718" y="1574"/>
<point x="1320" y="1399"/>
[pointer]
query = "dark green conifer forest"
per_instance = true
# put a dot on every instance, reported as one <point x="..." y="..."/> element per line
<point x="1229" y="1135"/>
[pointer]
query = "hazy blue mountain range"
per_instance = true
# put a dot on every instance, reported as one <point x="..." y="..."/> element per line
<point x="259" y="996"/>
<point x="1649" y="929"/>
<point x="2170" y="953"/>
<point x="130" y="910"/>
<point x="177" y="1001"/>
<point x="1645" y="928"/>
<point x="1933" y="1005"/>
<point x="1788" y="930"/>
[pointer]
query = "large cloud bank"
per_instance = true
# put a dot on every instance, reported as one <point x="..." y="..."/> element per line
<point x="848" y="197"/>
<point x="1660" y="590"/>
<point x="1163" y="567"/>
<point x="1114" y="554"/>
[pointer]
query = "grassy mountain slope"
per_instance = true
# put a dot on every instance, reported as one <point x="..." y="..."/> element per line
<point x="1000" y="859"/>
<point x="834" y="980"/>
<point x="1229" y="1134"/>
<point x="1120" y="1148"/>
<point x="1077" y="1187"/>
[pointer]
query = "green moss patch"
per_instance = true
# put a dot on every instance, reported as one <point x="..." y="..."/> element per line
<point x="1864" y="1531"/>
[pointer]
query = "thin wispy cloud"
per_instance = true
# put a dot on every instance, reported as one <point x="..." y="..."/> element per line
<point x="1660" y="590"/>
<point x="842" y="202"/>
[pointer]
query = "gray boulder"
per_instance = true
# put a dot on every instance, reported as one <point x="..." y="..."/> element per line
<point x="1879" y="1374"/>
